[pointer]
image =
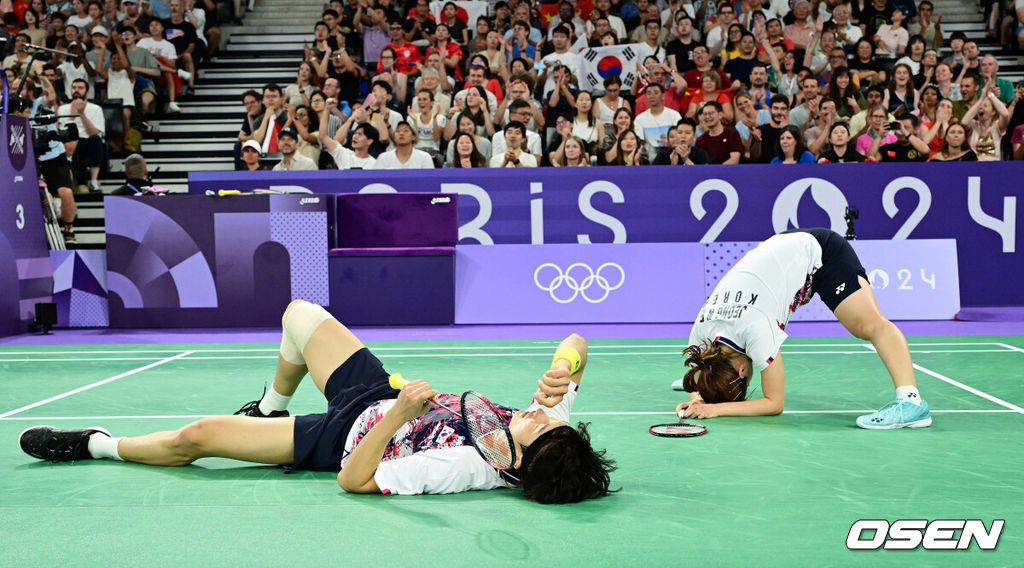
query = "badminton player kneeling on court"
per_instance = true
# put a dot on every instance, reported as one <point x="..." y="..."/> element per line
<point x="382" y="440"/>
<point x="742" y="326"/>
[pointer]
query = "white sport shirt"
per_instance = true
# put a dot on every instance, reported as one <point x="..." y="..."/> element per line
<point x="752" y="304"/>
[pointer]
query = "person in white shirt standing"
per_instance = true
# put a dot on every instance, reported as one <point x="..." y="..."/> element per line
<point x="404" y="156"/>
<point x="742" y="327"/>
<point x="89" y="150"/>
<point x="653" y="124"/>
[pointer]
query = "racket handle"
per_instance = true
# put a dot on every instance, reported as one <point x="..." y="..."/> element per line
<point x="397" y="382"/>
<point x="681" y="413"/>
<point x="224" y="192"/>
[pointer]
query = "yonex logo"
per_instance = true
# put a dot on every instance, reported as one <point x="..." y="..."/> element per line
<point x="840" y="288"/>
<point x="908" y="534"/>
<point x="577" y="280"/>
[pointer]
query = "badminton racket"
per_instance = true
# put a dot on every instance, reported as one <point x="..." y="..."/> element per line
<point x="678" y="430"/>
<point x="485" y="423"/>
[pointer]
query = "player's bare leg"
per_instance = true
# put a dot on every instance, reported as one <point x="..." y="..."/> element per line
<point x="860" y="315"/>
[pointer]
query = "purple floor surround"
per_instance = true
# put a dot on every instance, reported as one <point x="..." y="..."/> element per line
<point x="486" y="332"/>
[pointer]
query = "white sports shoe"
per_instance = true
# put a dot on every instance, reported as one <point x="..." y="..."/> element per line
<point x="185" y="75"/>
<point x="173" y="107"/>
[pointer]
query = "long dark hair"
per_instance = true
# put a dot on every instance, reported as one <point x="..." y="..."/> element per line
<point x="798" y="149"/>
<point x="475" y="157"/>
<point x="719" y="381"/>
<point x="833" y="87"/>
<point x="561" y="466"/>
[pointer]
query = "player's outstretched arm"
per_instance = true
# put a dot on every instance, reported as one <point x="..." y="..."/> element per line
<point x="357" y="475"/>
<point x="773" y="383"/>
<point x="568" y="364"/>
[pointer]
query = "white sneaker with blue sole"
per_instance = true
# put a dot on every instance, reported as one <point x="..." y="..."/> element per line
<point x="897" y="414"/>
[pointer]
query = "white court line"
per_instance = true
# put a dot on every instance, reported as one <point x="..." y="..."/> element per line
<point x="970" y="389"/>
<point x="96" y="384"/>
<point x="593" y="348"/>
<point x="1010" y="347"/>
<point x="955" y="383"/>
<point x="655" y="413"/>
<point x="434" y="355"/>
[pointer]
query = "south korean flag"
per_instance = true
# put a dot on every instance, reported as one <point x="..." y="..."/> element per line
<point x="596" y="63"/>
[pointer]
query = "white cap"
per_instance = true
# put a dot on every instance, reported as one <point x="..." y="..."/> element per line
<point x="252" y="144"/>
<point x="99" y="30"/>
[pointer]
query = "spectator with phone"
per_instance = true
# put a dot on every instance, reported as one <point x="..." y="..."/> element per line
<point x="908" y="147"/>
<point x="879" y="132"/>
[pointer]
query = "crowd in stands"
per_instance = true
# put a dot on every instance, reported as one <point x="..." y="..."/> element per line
<point x="389" y="85"/>
<point x="138" y="55"/>
<point x="76" y="59"/>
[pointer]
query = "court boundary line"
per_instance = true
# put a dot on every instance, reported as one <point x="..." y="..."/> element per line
<point x="596" y="413"/>
<point x="591" y="353"/>
<point x="1011" y="347"/>
<point x="592" y="348"/>
<point x="958" y="384"/>
<point x="94" y="385"/>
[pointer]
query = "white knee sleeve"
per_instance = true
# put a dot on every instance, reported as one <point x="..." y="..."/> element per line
<point x="298" y="326"/>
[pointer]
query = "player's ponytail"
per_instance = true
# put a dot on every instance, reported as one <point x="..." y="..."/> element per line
<point x="711" y="374"/>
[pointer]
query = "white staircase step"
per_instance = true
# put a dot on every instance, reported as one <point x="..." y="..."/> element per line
<point x="276" y="49"/>
<point x="265" y="74"/>
<point x="272" y="38"/>
<point x="174" y="165"/>
<point x="200" y="129"/>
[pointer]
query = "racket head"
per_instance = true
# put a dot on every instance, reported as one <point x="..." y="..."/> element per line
<point x="678" y="430"/>
<point x="488" y="430"/>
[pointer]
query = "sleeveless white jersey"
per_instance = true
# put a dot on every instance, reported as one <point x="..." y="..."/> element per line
<point x="752" y="304"/>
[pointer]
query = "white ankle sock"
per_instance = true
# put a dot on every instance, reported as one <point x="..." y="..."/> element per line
<point x="908" y="393"/>
<point x="274" y="400"/>
<point x="104" y="446"/>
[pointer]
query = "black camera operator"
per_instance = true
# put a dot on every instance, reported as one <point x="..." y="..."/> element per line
<point x="48" y="143"/>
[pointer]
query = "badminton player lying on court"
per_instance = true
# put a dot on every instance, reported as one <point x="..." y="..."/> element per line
<point x="382" y="440"/>
<point x="742" y="326"/>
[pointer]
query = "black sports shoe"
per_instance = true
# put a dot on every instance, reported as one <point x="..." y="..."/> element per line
<point x="49" y="443"/>
<point x="253" y="409"/>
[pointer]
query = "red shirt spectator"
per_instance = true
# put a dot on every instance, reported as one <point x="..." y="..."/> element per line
<point x="407" y="55"/>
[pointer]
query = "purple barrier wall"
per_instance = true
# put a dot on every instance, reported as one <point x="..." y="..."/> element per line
<point x="668" y="282"/>
<point x="80" y="287"/>
<point x="191" y="261"/>
<point x="25" y="274"/>
<point x="976" y="204"/>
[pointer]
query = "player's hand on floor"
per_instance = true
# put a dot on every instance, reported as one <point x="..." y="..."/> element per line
<point x="696" y="409"/>
<point x="552" y="386"/>
<point x="414" y="400"/>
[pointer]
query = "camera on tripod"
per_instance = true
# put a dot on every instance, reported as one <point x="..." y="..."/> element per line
<point x="44" y="131"/>
<point x="851" y="215"/>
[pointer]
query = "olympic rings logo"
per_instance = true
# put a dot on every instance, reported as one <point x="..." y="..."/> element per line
<point x="578" y="279"/>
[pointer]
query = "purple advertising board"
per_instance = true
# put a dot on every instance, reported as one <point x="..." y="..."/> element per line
<point x="668" y="282"/>
<point x="25" y="274"/>
<point x="973" y="203"/>
<point x="570" y="283"/>
<point x="190" y="261"/>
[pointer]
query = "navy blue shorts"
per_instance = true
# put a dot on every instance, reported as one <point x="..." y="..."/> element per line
<point x="840" y="267"/>
<point x="356" y="384"/>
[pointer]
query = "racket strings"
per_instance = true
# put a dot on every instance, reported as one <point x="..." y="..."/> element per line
<point x="489" y="432"/>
